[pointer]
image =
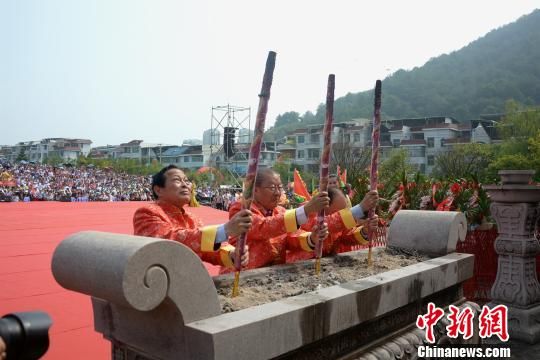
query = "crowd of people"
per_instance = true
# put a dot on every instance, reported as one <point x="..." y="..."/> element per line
<point x="39" y="182"/>
<point x="224" y="198"/>
<point x="218" y="198"/>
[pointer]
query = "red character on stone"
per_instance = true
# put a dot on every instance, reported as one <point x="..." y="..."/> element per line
<point x="429" y="320"/>
<point x="494" y="322"/>
<point x="460" y="322"/>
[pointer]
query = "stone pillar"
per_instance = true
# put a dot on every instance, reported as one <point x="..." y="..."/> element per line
<point x="515" y="207"/>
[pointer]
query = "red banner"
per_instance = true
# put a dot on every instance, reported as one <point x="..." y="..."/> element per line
<point x="300" y="188"/>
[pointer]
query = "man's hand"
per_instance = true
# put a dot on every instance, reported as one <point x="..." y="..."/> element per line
<point x="319" y="234"/>
<point x="3" y="354"/>
<point x="370" y="225"/>
<point x="317" y="203"/>
<point x="370" y="201"/>
<point x="245" y="256"/>
<point x="240" y="223"/>
<point x="373" y="223"/>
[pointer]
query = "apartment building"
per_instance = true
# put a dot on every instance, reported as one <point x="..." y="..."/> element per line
<point x="423" y="138"/>
<point x="38" y="151"/>
<point x="185" y="157"/>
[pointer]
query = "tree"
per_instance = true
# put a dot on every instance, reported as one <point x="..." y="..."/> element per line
<point x="511" y="162"/>
<point x="534" y="151"/>
<point x="520" y="122"/>
<point x="283" y="168"/>
<point x="529" y="160"/>
<point x="83" y="160"/>
<point x="356" y="160"/>
<point x="291" y="117"/>
<point x="394" y="169"/>
<point x="309" y="117"/>
<point x="464" y="161"/>
<point x="53" y="160"/>
<point x="203" y="179"/>
<point x="21" y="156"/>
<point x="520" y="149"/>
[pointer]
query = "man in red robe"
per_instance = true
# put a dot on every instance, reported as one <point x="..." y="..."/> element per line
<point x="166" y="218"/>
<point x="341" y="238"/>
<point x="276" y="230"/>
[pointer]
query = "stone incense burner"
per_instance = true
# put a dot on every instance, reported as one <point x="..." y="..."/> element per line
<point x="153" y="299"/>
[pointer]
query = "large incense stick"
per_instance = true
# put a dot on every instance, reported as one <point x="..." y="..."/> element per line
<point x="253" y="162"/>
<point x="325" y="161"/>
<point x="374" y="178"/>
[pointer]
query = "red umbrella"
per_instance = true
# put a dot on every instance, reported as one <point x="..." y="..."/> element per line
<point x="206" y="169"/>
<point x="211" y="170"/>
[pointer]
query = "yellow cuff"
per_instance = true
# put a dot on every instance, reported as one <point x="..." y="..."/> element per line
<point x="208" y="238"/>
<point x="303" y="240"/>
<point x="225" y="257"/>
<point x="359" y="237"/>
<point x="290" y="221"/>
<point x="347" y="218"/>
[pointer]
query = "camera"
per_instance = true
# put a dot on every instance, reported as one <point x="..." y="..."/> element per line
<point x="26" y="334"/>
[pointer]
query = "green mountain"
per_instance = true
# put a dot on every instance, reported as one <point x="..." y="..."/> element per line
<point x="477" y="79"/>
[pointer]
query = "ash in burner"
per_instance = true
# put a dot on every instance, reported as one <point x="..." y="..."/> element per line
<point x="276" y="283"/>
<point x="345" y="260"/>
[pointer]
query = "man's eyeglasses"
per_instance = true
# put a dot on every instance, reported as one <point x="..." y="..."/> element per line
<point x="184" y="180"/>
<point x="274" y="188"/>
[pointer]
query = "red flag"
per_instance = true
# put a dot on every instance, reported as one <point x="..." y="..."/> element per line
<point x="343" y="176"/>
<point x="341" y="182"/>
<point x="300" y="188"/>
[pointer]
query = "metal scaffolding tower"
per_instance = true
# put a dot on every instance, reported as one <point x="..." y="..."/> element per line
<point x="227" y="119"/>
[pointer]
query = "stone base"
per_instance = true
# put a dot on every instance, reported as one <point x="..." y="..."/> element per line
<point x="523" y="324"/>
<point x="369" y="336"/>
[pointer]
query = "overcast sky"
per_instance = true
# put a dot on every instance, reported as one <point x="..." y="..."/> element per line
<point x="116" y="70"/>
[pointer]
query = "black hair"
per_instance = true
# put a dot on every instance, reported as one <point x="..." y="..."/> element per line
<point x="159" y="178"/>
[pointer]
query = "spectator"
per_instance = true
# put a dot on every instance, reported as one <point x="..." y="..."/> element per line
<point x="37" y="182"/>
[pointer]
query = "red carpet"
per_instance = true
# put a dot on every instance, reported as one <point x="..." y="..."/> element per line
<point x="29" y="233"/>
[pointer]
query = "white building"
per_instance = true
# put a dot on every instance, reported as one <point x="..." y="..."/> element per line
<point x="191" y="142"/>
<point x="244" y="136"/>
<point x="102" y="152"/>
<point x="185" y="157"/>
<point x="139" y="150"/>
<point x="38" y="151"/>
<point x="212" y="137"/>
<point x="423" y="138"/>
<point x="309" y="141"/>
